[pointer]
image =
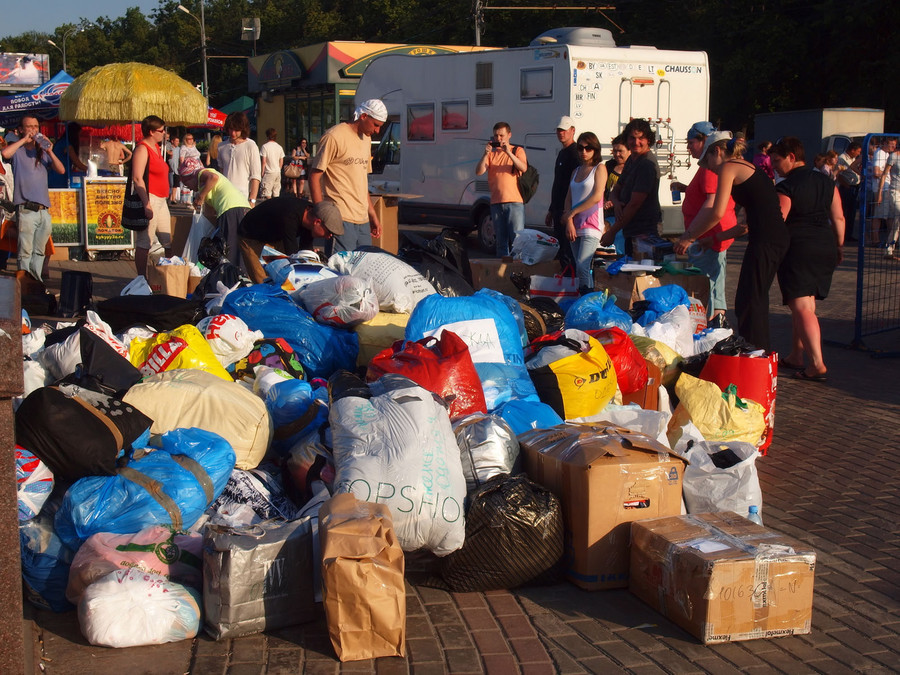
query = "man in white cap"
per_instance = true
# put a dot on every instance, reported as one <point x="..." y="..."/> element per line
<point x="566" y="162"/>
<point x="339" y="174"/>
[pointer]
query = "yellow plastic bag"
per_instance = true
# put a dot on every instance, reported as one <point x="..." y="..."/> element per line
<point x="661" y="355"/>
<point x="719" y="416"/>
<point x="184" y="347"/>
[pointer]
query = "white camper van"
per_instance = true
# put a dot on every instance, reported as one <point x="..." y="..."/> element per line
<point x="443" y="107"/>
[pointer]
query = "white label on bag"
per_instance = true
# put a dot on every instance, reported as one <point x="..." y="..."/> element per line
<point x="481" y="337"/>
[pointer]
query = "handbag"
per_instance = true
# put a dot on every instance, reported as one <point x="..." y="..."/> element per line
<point x="293" y="171"/>
<point x="133" y="215"/>
<point x="562" y="288"/>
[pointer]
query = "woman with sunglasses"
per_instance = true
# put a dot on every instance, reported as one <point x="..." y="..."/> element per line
<point x="148" y="160"/>
<point x="583" y="215"/>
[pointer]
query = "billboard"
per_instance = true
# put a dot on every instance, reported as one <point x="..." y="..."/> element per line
<point x="23" y="71"/>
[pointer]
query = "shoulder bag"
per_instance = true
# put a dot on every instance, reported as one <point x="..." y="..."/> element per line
<point x="133" y="215"/>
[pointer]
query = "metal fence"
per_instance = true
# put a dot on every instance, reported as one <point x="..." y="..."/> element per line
<point x="878" y="252"/>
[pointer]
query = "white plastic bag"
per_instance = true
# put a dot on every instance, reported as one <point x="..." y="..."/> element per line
<point x="396" y="447"/>
<point x="63" y="358"/>
<point x="633" y="417"/>
<point x="228" y="336"/>
<point x="533" y="247"/>
<point x="130" y="608"/>
<point x="343" y="301"/>
<point x="708" y="488"/>
<point x="200" y="227"/>
<point x="137" y="286"/>
<point x="398" y="286"/>
<point x="675" y="328"/>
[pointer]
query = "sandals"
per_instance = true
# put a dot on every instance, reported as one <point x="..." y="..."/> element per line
<point x="801" y="375"/>
<point x="790" y="365"/>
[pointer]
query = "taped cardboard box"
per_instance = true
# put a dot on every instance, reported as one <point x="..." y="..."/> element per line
<point x="629" y="287"/>
<point x="723" y="578"/>
<point x="606" y="477"/>
<point x="496" y="273"/>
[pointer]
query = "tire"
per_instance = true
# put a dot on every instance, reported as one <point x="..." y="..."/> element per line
<point x="487" y="238"/>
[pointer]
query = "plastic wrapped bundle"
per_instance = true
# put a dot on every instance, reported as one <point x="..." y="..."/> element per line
<point x="488" y="448"/>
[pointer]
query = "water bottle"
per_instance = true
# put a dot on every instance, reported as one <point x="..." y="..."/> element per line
<point x="676" y="197"/>
<point x="754" y="516"/>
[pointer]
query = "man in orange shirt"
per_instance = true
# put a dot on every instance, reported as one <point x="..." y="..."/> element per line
<point x="504" y="164"/>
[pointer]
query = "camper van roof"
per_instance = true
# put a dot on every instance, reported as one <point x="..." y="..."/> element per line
<point x="586" y="37"/>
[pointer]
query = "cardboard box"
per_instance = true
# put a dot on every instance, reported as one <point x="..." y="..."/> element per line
<point x="496" y="273"/>
<point x="653" y="247"/>
<point x="606" y="477"/>
<point x="386" y="209"/>
<point x="629" y="287"/>
<point x="721" y="577"/>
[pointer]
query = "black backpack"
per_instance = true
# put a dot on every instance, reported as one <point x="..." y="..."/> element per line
<point x="528" y="183"/>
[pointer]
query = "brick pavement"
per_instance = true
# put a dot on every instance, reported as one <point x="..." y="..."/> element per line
<point x="831" y="480"/>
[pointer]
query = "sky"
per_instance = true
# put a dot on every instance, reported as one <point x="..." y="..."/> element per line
<point x="46" y="15"/>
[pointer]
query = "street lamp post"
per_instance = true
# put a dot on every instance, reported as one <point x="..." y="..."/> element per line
<point x="69" y="33"/>
<point x="202" y="22"/>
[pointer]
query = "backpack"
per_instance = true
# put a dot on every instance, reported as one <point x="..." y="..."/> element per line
<point x="528" y="183"/>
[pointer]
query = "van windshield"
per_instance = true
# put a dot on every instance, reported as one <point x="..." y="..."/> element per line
<point x="388" y="150"/>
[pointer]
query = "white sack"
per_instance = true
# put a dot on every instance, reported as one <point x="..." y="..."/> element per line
<point x="398" y="286"/>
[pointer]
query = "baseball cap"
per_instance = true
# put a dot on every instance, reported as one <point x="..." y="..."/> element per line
<point x="713" y="138"/>
<point x="565" y="122"/>
<point x="374" y="108"/>
<point x="700" y="129"/>
<point x="330" y="216"/>
<point x="189" y="166"/>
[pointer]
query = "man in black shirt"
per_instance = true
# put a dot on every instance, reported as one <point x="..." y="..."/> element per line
<point x="566" y="162"/>
<point x="286" y="223"/>
<point x="636" y="194"/>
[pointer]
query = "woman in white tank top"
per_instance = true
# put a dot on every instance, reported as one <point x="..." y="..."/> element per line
<point x="584" y="203"/>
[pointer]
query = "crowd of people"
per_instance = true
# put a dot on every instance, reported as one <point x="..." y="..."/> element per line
<point x="797" y="213"/>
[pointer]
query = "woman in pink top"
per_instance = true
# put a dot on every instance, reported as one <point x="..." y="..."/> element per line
<point x="582" y="217"/>
<point x="147" y="159"/>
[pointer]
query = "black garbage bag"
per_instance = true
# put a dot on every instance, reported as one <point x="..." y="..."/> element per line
<point x="551" y="313"/>
<point x="225" y="271"/>
<point x="443" y="261"/>
<point x="160" y="312"/>
<point x="514" y="535"/>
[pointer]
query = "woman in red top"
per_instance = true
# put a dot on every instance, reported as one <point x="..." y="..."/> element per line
<point x="147" y="158"/>
<point x="709" y="254"/>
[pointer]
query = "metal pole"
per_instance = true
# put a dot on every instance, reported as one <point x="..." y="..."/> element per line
<point x="203" y="52"/>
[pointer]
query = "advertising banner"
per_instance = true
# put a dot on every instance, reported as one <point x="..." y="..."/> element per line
<point x="103" y="215"/>
<point x="65" y="212"/>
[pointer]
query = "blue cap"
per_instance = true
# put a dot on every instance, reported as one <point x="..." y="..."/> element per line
<point x="700" y="129"/>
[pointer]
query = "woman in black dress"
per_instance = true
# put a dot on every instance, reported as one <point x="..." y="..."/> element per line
<point x="815" y="221"/>
<point x="767" y="239"/>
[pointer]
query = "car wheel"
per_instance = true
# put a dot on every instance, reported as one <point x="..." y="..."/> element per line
<point x="487" y="238"/>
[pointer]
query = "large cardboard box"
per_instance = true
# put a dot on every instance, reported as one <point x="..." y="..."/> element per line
<point x="629" y="287"/>
<point x="723" y="578"/>
<point x="386" y="208"/>
<point x="606" y="477"/>
<point x="496" y="273"/>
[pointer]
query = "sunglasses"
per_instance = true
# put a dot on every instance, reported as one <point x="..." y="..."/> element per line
<point x="585" y="148"/>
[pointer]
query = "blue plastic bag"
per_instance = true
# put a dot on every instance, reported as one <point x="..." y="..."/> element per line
<point x="524" y="416"/>
<point x="595" y="311"/>
<point x="119" y="504"/>
<point x="514" y="307"/>
<point x="45" y="561"/>
<point x="289" y="401"/>
<point x="489" y="328"/>
<point x="662" y="299"/>
<point x="321" y="349"/>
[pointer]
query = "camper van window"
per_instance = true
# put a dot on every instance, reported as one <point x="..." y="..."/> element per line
<point x="484" y="75"/>
<point x="388" y="150"/>
<point x="420" y="122"/>
<point x="536" y="83"/>
<point x="455" y="115"/>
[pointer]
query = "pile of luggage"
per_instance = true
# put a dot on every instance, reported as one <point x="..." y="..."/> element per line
<point x="227" y="462"/>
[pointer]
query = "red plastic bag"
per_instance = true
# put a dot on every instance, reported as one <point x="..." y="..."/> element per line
<point x="443" y="366"/>
<point x="630" y="365"/>
<point x="755" y="379"/>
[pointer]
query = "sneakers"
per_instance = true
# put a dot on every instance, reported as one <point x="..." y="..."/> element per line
<point x="718" y="321"/>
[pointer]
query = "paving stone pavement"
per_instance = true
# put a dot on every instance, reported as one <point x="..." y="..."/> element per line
<point x="831" y="480"/>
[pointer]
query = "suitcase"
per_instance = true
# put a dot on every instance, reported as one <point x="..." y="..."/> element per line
<point x="76" y="292"/>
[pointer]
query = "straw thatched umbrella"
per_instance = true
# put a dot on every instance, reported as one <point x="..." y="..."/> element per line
<point x="128" y="92"/>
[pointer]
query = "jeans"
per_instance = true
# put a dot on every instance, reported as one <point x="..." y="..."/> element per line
<point x="508" y="219"/>
<point x="712" y="264"/>
<point x="355" y="235"/>
<point x="34" y="231"/>
<point x="584" y="247"/>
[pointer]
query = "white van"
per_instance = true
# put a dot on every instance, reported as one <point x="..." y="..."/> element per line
<point x="443" y="107"/>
